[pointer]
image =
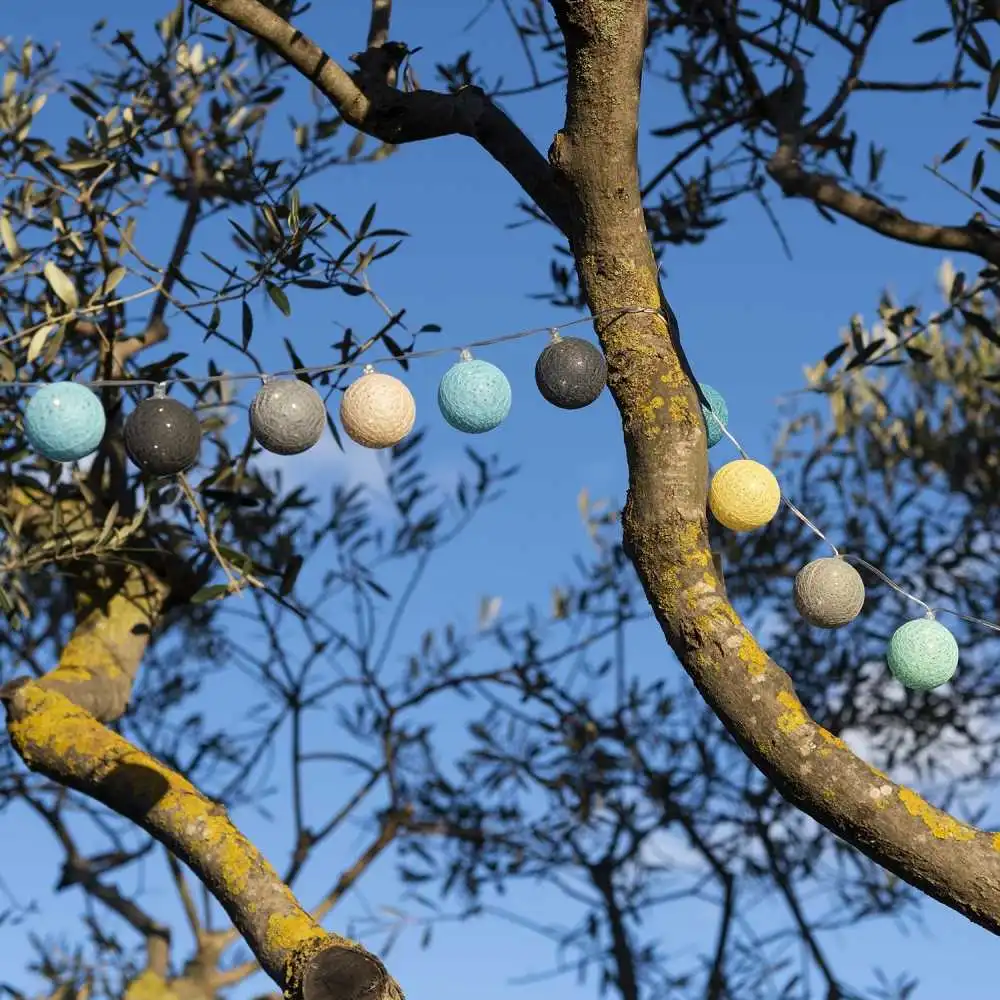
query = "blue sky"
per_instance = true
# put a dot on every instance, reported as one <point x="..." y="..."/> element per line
<point x="750" y="318"/>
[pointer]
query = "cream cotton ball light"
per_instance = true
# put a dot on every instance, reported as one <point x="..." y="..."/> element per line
<point x="829" y="592"/>
<point x="744" y="495"/>
<point x="378" y="410"/>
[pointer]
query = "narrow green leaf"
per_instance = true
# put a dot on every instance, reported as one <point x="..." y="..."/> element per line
<point x="982" y="325"/>
<point x="296" y="360"/>
<point x="366" y="223"/>
<point x="212" y="593"/>
<point x="113" y="279"/>
<point x="247" y="324"/>
<point x="994" y="85"/>
<point x="8" y="237"/>
<point x="978" y="166"/>
<point x="61" y="284"/>
<point x="955" y="150"/>
<point x="279" y="298"/>
<point x="37" y="341"/>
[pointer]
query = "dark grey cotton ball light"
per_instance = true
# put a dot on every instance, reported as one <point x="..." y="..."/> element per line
<point x="287" y="416"/>
<point x="162" y="436"/>
<point x="829" y="592"/>
<point x="571" y="373"/>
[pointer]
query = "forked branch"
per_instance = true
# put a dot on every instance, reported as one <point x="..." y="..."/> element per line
<point x="371" y="104"/>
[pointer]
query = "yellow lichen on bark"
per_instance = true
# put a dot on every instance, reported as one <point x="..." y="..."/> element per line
<point x="149" y="986"/>
<point x="752" y="655"/>
<point x="793" y="717"/>
<point x="98" y="665"/>
<point x="940" y="824"/>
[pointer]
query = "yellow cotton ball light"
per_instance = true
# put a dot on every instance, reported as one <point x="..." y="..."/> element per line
<point x="377" y="411"/>
<point x="744" y="495"/>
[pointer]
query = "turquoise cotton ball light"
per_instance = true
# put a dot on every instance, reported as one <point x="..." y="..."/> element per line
<point x="474" y="396"/>
<point x="923" y="654"/>
<point x="717" y="417"/>
<point x="64" y="421"/>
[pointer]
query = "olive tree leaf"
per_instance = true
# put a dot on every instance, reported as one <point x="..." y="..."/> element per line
<point x="61" y="284"/>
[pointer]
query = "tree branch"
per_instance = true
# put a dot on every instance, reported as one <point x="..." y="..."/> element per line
<point x="376" y="108"/>
<point x="60" y="740"/>
<point x="98" y="665"/>
<point x="665" y="527"/>
<point x="824" y="189"/>
<point x="78" y="870"/>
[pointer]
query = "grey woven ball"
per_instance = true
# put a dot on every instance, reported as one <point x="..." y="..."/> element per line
<point x="162" y="436"/>
<point x="829" y="592"/>
<point x="571" y="373"/>
<point x="287" y="417"/>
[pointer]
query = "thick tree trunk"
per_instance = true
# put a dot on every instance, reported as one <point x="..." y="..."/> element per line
<point x="665" y="524"/>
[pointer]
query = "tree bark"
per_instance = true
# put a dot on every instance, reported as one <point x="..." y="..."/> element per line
<point x="665" y="524"/>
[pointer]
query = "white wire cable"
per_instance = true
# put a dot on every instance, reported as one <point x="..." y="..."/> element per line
<point x="324" y="369"/>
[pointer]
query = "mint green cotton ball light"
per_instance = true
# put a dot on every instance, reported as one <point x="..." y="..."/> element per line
<point x="474" y="396"/>
<point x="923" y="654"/>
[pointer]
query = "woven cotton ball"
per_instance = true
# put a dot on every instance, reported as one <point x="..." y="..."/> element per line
<point x="287" y="416"/>
<point x="744" y="495"/>
<point x="922" y="654"/>
<point x="162" y="436"/>
<point x="474" y="396"/>
<point x="829" y="592"/>
<point x="571" y="373"/>
<point x="377" y="410"/>
<point x="717" y="417"/>
<point x="64" y="421"/>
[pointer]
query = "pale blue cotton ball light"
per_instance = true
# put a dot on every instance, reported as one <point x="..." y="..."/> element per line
<point x="474" y="396"/>
<point x="923" y="654"/>
<point x="64" y="421"/>
<point x="715" y="418"/>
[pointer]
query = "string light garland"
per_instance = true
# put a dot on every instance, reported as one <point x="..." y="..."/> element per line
<point x="65" y="422"/>
<point x="922" y="654"/>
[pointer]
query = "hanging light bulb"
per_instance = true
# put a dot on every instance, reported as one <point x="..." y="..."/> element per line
<point x="922" y="654"/>
<point x="474" y="396"/>
<point x="64" y="421"/>
<point x="829" y="592"/>
<point x="571" y="372"/>
<point x="744" y="495"/>
<point x="163" y="436"/>
<point x="287" y="416"/>
<point x="378" y="410"/>
<point x="716" y="415"/>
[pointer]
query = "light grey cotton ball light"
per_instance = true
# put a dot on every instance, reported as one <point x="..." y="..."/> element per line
<point x="829" y="592"/>
<point x="287" y="416"/>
